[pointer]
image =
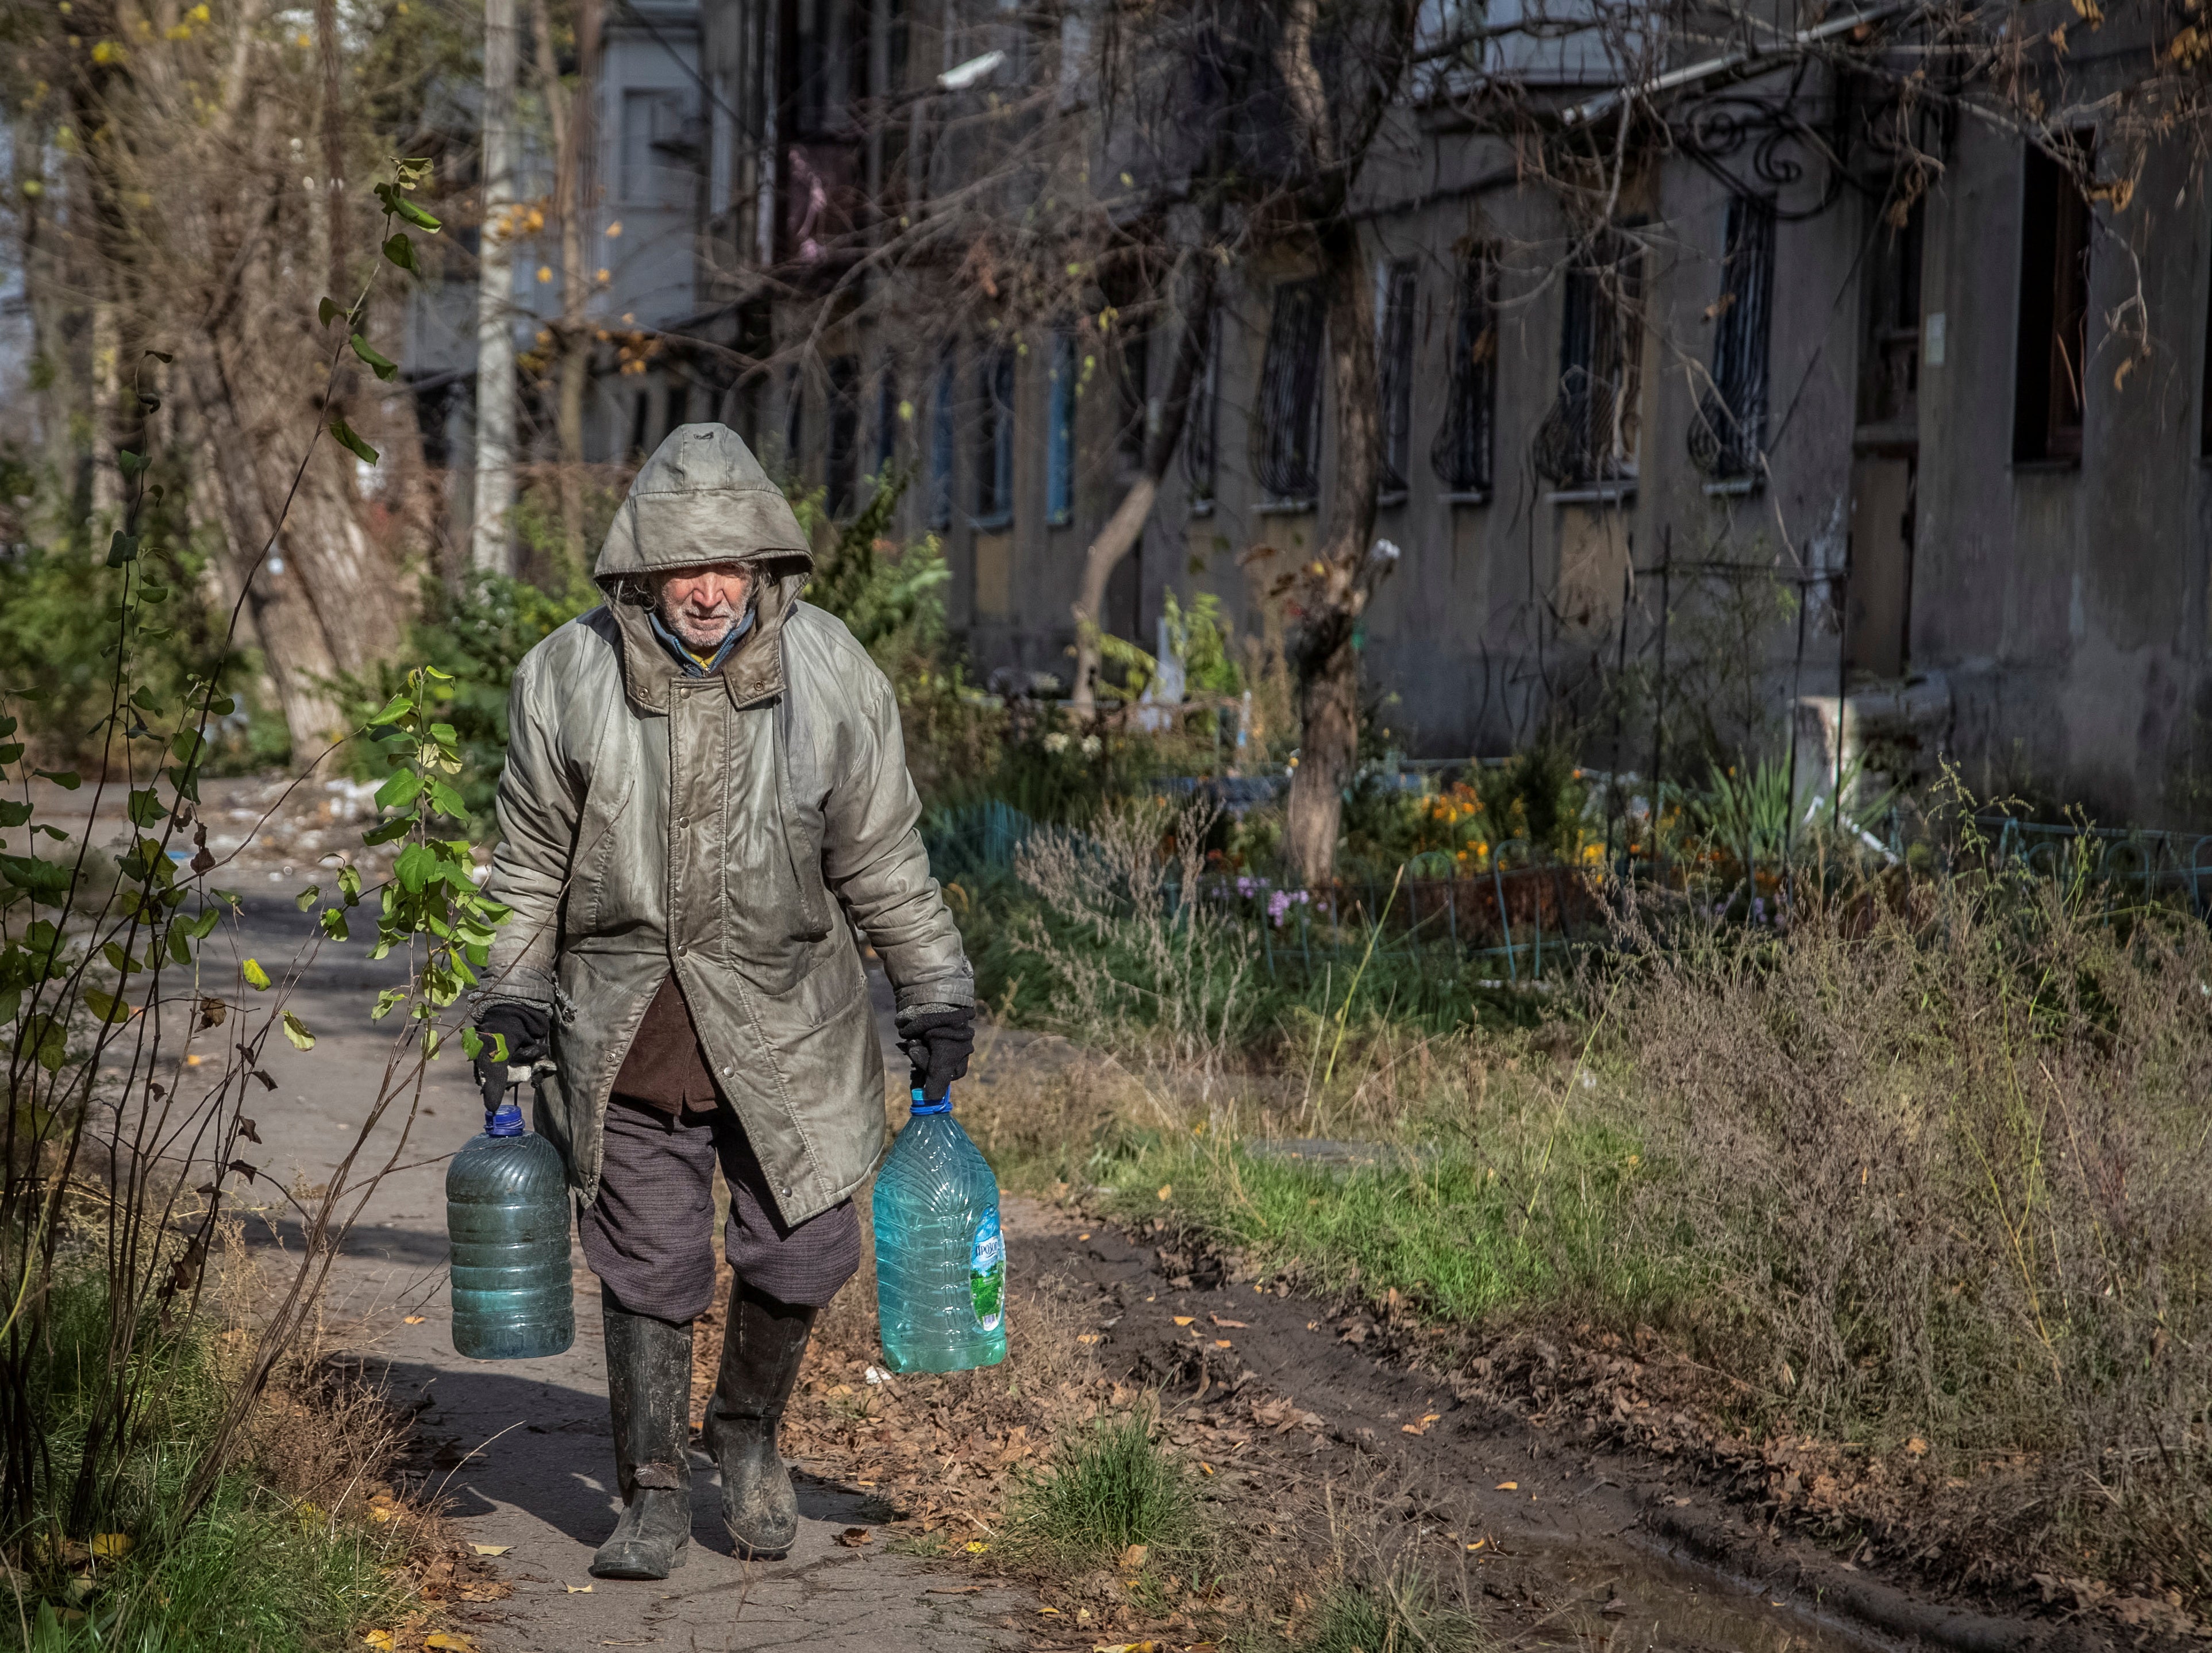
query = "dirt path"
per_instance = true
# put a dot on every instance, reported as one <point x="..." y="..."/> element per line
<point x="521" y="1449"/>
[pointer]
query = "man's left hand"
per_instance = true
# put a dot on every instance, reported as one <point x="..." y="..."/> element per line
<point x="937" y="1042"/>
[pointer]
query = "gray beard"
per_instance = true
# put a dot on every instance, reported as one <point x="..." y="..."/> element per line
<point x="687" y="627"/>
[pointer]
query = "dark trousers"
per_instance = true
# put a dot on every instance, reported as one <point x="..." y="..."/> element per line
<point x="649" y="1237"/>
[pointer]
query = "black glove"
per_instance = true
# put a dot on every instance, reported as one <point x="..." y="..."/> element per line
<point x="939" y="1042"/>
<point x="529" y="1032"/>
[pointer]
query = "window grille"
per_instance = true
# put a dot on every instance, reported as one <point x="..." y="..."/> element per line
<point x="1588" y="437"/>
<point x="1286" y="433"/>
<point x="1460" y="455"/>
<point x="994" y="440"/>
<point x="844" y="457"/>
<point x="1059" y="434"/>
<point x="1398" y="289"/>
<point x="1200" y="421"/>
<point x="944" y="429"/>
<point x="1728" y="438"/>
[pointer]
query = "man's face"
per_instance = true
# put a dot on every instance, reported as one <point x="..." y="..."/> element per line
<point x="701" y="604"/>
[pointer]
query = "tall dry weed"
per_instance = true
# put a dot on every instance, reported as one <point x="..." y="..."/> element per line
<point x="1943" y="1163"/>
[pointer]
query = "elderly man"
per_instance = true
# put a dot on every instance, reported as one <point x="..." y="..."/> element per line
<point x="704" y="779"/>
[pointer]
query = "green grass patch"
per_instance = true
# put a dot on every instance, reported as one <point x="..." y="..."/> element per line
<point x="1109" y="1486"/>
<point x="1399" y="1614"/>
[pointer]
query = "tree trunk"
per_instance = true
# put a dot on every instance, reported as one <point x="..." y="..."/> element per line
<point x="1325" y="656"/>
<point x="1126" y="525"/>
<point x="494" y="495"/>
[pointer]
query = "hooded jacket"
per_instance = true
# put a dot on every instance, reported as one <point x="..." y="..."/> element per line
<point x="722" y="827"/>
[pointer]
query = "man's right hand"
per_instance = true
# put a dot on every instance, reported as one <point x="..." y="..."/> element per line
<point x="528" y="1031"/>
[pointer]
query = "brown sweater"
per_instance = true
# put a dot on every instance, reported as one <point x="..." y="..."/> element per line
<point x="666" y="1067"/>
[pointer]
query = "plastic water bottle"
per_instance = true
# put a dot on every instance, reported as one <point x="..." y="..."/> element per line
<point x="940" y="1257"/>
<point x="506" y="1213"/>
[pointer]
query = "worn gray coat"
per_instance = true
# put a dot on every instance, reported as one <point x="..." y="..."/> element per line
<point x="722" y="827"/>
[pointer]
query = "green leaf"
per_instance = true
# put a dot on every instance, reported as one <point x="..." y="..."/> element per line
<point x="11" y="751"/>
<point x="385" y="1002"/>
<point x="352" y="442"/>
<point x="307" y="897"/>
<point x="388" y="831"/>
<point x="399" y="790"/>
<point x="256" y="977"/>
<point x="128" y="463"/>
<point x="186" y="745"/>
<point x="394" y="709"/>
<point x="67" y="780"/>
<point x="145" y="698"/>
<point x="145" y="806"/>
<point x="161" y="356"/>
<point x="7" y="727"/>
<point x="13" y="815"/>
<point x="471" y="1043"/>
<point x="296" y="1031"/>
<point x="180" y="945"/>
<point x="328" y="311"/>
<point x="334" y="924"/>
<point x="401" y="251"/>
<point x="122" y="548"/>
<point x="106" y="1007"/>
<point x="123" y="964"/>
<point x="47" y="1041"/>
<point x="417" y="867"/>
<point x="382" y="366"/>
<point x="203" y="926"/>
<point x="349" y="885"/>
<point x="447" y="802"/>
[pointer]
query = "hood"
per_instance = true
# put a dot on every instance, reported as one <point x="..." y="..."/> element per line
<point x="703" y="498"/>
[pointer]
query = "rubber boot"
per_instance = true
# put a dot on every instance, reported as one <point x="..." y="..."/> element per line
<point x="649" y="1393"/>
<point x="760" y="1350"/>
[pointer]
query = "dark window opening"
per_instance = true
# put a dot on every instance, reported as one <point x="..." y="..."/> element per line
<point x="1462" y="452"/>
<point x="640" y="422"/>
<point x="944" y="425"/>
<point x="888" y="419"/>
<point x="1286" y="431"/>
<point x="1728" y="439"/>
<point x="1201" y="453"/>
<point x="1889" y="372"/>
<point x="2054" y="312"/>
<point x="1590" y="436"/>
<point x="1399" y="289"/>
<point x="994" y="441"/>
<point x="843" y="479"/>
<point x="679" y="404"/>
<point x="795" y="423"/>
<point x="1134" y="361"/>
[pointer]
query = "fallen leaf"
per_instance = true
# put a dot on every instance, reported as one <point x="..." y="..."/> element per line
<point x="1079" y="1236"/>
<point x="378" y="1639"/>
<point x="382" y="1511"/>
<point x="1421" y="1428"/>
<point x="1049" y="1612"/>
<point x="1204" y="1468"/>
<point x="1477" y="1543"/>
<point x="853" y="1537"/>
<point x="1220" y="1342"/>
<point x="976" y="1547"/>
<point x="1184" y="1320"/>
<point x="111" y="1546"/>
<point x="1127" y="1647"/>
<point x="491" y="1549"/>
<point x="1916" y="1447"/>
<point x="1232" y="1325"/>
<point x="1509" y="1487"/>
<point x="1087" y="1337"/>
<point x="1132" y="1557"/>
<point x="577" y="1589"/>
<point x="954" y="1589"/>
<point x="446" y="1642"/>
<point x="416" y="1320"/>
<point x="1166" y="1189"/>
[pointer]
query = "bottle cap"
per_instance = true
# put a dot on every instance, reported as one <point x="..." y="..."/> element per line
<point x="506" y="1120"/>
<point x="942" y="1105"/>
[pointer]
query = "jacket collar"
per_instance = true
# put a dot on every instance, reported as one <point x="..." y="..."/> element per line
<point x="752" y="672"/>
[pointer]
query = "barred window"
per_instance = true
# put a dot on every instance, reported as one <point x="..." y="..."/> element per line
<point x="1199" y="450"/>
<point x="1728" y="439"/>
<point x="1059" y="434"/>
<point x="1397" y="290"/>
<point x="944" y="429"/>
<point x="1460" y="455"/>
<point x="1590" y="436"/>
<point x="994" y="440"/>
<point x="1287" y="432"/>
<point x="844" y="458"/>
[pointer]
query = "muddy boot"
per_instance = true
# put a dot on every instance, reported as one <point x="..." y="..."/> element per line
<point x="649" y="1393"/>
<point x="760" y="1350"/>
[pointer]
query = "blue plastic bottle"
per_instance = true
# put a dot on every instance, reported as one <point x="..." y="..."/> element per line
<point x="506" y="1213"/>
<point x="940" y="1257"/>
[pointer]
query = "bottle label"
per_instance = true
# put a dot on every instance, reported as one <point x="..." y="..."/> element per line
<point x="987" y="1272"/>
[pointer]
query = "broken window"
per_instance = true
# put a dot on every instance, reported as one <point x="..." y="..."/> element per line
<point x="1059" y="433"/>
<point x="1460" y="455"/>
<point x="2054" y="310"/>
<point x="844" y="457"/>
<point x="994" y="440"/>
<point x="1588" y="437"/>
<point x="1728" y="439"/>
<point x="1286" y="433"/>
<point x="1397" y="290"/>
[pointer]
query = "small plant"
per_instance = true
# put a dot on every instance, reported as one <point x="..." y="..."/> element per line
<point x="1399" y="1614"/>
<point x="1110" y="1488"/>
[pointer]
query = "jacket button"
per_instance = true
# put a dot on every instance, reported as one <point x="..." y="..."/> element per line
<point x="682" y="947"/>
<point x="725" y="1072"/>
<point x="785" y="1188"/>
